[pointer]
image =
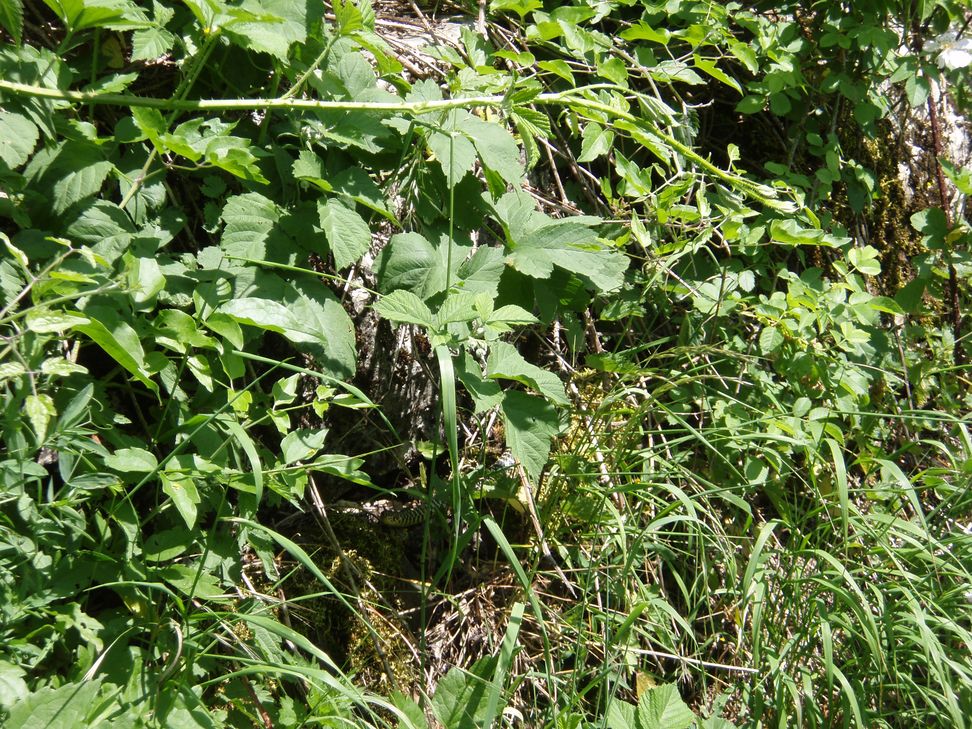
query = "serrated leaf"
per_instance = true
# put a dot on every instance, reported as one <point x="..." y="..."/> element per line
<point x="132" y="460"/>
<point x="151" y="43"/>
<point x="455" y="153"/>
<point x="460" y="700"/>
<point x="40" y="410"/>
<point x="506" y="363"/>
<point x="67" y="173"/>
<point x="411" y="262"/>
<point x="770" y="339"/>
<point x="404" y="307"/>
<point x="18" y="135"/>
<point x="459" y="306"/>
<point x="481" y="272"/>
<point x="530" y="424"/>
<point x="250" y="218"/>
<point x="114" y="14"/>
<point x="346" y="232"/>
<point x="663" y="708"/>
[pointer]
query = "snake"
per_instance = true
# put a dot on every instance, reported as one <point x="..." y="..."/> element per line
<point x="386" y="512"/>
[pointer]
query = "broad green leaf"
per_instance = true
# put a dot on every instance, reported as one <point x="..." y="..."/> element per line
<point x="65" y="707"/>
<point x="10" y="370"/>
<point x="573" y="246"/>
<point x="13" y="688"/>
<point x="865" y="259"/>
<point x="711" y="67"/>
<point x="404" y="307"/>
<point x="303" y="311"/>
<point x="770" y="339"/>
<point x="454" y="152"/>
<point x="302" y="444"/>
<point x="520" y="7"/>
<point x="643" y="31"/>
<point x="269" y="26"/>
<point x="67" y="173"/>
<point x="482" y="271"/>
<point x="496" y="148"/>
<point x="119" y="341"/>
<point x="46" y="321"/>
<point x="250" y="220"/>
<point x="411" y="262"/>
<point x="18" y="135"/>
<point x="622" y="715"/>
<point x="459" y="306"/>
<point x="530" y="423"/>
<point x="460" y="699"/>
<point x="181" y="488"/>
<point x="155" y="41"/>
<point x="596" y="142"/>
<point x="145" y="279"/>
<point x="663" y="708"/>
<point x="507" y="364"/>
<point x="114" y="14"/>
<point x="132" y="460"/>
<point x="790" y="232"/>
<point x="191" y="581"/>
<point x="347" y="234"/>
<point x="61" y="367"/>
<point x="40" y="411"/>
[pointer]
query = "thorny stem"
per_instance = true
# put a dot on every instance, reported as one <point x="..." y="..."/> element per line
<point x="572" y="98"/>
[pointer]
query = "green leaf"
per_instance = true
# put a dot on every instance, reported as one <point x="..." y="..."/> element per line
<point x="770" y="339"/>
<point x="460" y="699"/>
<point x="269" y="26"/>
<point x="411" y="262"/>
<point x="454" y="152"/>
<point x="404" y="307"/>
<point x="573" y="246"/>
<point x="135" y="460"/>
<point x="305" y="312"/>
<point x="507" y="364"/>
<point x="65" y="707"/>
<point x="12" y="18"/>
<point x="347" y="234"/>
<point x="18" y="135"/>
<point x="181" y="488"/>
<point x="250" y="220"/>
<point x="114" y="14"/>
<point x="13" y="688"/>
<point x="596" y="142"/>
<point x="67" y="173"/>
<point x="790" y="232"/>
<point x="496" y="148"/>
<point x="663" y="708"/>
<point x="865" y="259"/>
<point x="707" y="65"/>
<point x="119" y="341"/>
<point x="486" y="394"/>
<point x="46" y="321"/>
<point x="40" y="411"/>
<point x="302" y="444"/>
<point x="531" y="424"/>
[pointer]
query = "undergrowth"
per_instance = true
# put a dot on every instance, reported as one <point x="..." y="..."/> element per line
<point x="520" y="364"/>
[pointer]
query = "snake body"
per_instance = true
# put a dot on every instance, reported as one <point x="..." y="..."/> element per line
<point x="386" y="512"/>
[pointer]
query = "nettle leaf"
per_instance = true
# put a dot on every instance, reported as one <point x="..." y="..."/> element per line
<point x="267" y="26"/>
<point x="530" y="424"/>
<point x="662" y="708"/>
<point x="506" y="363"/>
<point x="454" y="152"/>
<point x="481" y="272"/>
<point x="346" y="232"/>
<point x="404" y="307"/>
<point x="412" y="262"/>
<point x="352" y="183"/>
<point x="250" y="218"/>
<point x="459" y="306"/>
<point x="18" y="136"/>
<point x="67" y="173"/>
